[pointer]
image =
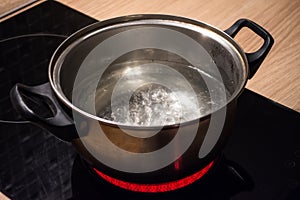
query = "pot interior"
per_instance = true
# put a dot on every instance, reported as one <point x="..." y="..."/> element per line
<point x="150" y="72"/>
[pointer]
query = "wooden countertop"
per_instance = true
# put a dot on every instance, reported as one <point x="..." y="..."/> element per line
<point x="9" y="6"/>
<point x="278" y="77"/>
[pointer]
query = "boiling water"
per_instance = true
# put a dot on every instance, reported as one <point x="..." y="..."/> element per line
<point x="154" y="104"/>
<point x="152" y="95"/>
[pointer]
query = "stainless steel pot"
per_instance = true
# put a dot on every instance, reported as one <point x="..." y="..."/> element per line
<point x="145" y="98"/>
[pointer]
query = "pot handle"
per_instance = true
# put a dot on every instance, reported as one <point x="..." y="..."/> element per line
<point x="32" y="102"/>
<point x="256" y="58"/>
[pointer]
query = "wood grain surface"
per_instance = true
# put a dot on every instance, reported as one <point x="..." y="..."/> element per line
<point x="10" y="6"/>
<point x="278" y="77"/>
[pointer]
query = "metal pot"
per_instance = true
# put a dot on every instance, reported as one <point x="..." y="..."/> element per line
<point x="145" y="99"/>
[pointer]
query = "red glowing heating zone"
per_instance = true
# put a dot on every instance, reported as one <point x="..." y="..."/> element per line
<point x="160" y="187"/>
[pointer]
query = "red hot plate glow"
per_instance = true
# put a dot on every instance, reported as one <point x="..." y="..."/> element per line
<point x="160" y="187"/>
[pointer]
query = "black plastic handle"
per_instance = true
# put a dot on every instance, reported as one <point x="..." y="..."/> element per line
<point x="254" y="59"/>
<point x="59" y="123"/>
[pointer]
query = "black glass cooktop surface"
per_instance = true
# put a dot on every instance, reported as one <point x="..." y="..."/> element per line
<point x="260" y="161"/>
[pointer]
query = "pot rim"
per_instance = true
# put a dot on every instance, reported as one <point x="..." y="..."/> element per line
<point x="97" y="27"/>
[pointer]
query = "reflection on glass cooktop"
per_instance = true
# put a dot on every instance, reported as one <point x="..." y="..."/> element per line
<point x="260" y="161"/>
